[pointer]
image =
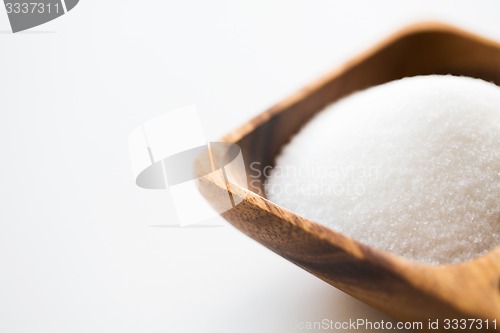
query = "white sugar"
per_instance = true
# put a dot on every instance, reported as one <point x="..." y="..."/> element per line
<point x="411" y="167"/>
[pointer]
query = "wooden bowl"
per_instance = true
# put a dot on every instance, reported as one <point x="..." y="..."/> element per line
<point x="401" y="288"/>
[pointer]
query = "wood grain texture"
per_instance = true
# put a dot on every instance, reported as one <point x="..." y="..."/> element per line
<point x="399" y="287"/>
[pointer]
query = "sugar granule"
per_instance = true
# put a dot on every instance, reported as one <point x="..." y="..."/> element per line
<point x="411" y="167"/>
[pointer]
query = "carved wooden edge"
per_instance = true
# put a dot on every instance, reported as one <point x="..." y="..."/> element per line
<point x="237" y="134"/>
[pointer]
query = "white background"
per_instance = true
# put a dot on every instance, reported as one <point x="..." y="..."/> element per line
<point x="78" y="252"/>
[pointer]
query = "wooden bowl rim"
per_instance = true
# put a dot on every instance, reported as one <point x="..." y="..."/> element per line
<point x="378" y="257"/>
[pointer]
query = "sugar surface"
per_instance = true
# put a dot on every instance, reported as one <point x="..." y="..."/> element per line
<point x="411" y="166"/>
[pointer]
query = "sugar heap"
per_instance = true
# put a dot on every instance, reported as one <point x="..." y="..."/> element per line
<point x="411" y="166"/>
